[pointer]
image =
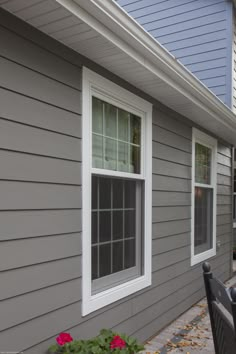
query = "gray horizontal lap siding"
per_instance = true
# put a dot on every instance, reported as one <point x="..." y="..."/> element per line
<point x="195" y="32"/>
<point x="40" y="211"/>
<point x="40" y="185"/>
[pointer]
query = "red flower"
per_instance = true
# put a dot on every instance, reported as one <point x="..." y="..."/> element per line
<point x="117" y="342"/>
<point x="64" y="338"/>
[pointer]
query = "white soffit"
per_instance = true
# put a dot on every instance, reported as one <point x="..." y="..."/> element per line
<point x="106" y="34"/>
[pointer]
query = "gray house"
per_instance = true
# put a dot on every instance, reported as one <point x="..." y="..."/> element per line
<point x="115" y="176"/>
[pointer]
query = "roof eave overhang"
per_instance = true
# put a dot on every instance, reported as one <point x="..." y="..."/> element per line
<point x="183" y="92"/>
<point x="113" y="23"/>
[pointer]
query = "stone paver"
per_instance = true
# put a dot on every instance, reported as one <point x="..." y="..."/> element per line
<point x="192" y="329"/>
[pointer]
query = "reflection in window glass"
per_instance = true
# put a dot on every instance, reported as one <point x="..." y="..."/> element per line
<point x="97" y="116"/>
<point x="202" y="164"/>
<point x="110" y="113"/>
<point x="116" y="138"/>
<point x="110" y="162"/>
<point x="123" y="158"/>
<point x="123" y="125"/>
<point x="98" y="151"/>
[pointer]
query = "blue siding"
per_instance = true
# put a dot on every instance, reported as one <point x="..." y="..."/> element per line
<point x="196" y="32"/>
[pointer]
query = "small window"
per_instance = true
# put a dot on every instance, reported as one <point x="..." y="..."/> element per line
<point x="117" y="154"/>
<point x="203" y="197"/>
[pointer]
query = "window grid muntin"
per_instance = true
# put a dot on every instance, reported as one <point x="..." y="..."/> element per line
<point x="116" y="139"/>
<point x="124" y="239"/>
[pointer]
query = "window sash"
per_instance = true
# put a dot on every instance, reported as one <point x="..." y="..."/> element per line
<point x="108" y="281"/>
<point x="132" y="110"/>
<point x="207" y="229"/>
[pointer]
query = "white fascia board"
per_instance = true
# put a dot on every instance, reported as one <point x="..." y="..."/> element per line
<point x="108" y="19"/>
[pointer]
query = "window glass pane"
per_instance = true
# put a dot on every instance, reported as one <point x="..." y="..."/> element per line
<point x="104" y="185"/>
<point x="117" y="262"/>
<point x="123" y="125"/>
<point x="110" y="120"/>
<point x="97" y="151"/>
<point x="129" y="223"/>
<point x="130" y="194"/>
<point x="134" y="159"/>
<point x="202" y="164"/>
<point x="203" y="219"/>
<point x="105" y="260"/>
<point x="129" y="253"/>
<point x="135" y="129"/>
<point x="104" y="226"/>
<point x="110" y="162"/>
<point x="123" y="157"/>
<point x="118" y="193"/>
<point x="117" y="232"/>
<point x="97" y="125"/>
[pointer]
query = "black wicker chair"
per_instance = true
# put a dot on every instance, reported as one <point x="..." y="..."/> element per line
<point x="222" y="311"/>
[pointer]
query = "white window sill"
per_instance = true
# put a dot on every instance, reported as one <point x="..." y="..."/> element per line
<point x="202" y="256"/>
<point x="95" y="302"/>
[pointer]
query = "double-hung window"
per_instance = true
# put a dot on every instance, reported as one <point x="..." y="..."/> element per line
<point x="203" y="243"/>
<point x="117" y="155"/>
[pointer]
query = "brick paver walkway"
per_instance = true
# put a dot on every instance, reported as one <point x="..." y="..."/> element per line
<point x="189" y="334"/>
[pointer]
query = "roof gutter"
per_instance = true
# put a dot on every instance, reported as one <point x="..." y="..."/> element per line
<point x="108" y="19"/>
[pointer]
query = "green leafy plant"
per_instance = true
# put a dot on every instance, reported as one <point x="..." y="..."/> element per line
<point x="106" y="342"/>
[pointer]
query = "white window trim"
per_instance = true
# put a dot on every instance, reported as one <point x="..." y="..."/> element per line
<point x="206" y="140"/>
<point x="94" y="84"/>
